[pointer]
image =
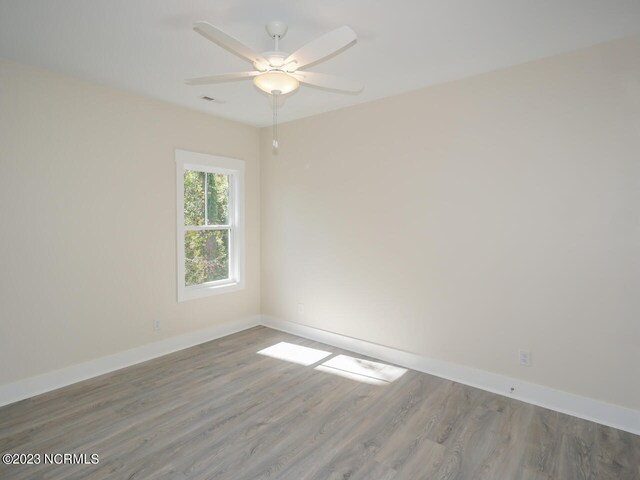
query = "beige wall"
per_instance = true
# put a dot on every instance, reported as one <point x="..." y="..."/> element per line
<point x="462" y="222"/>
<point x="87" y="194"/>
<point x="469" y="220"/>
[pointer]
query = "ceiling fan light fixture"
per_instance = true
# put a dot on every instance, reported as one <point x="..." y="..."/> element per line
<point x="276" y="81"/>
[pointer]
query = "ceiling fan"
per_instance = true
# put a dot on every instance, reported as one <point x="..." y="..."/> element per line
<point x="277" y="72"/>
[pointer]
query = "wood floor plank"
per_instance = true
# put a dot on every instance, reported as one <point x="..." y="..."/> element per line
<point x="222" y="411"/>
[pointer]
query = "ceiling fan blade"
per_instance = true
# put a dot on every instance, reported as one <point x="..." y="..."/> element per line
<point x="225" y="77"/>
<point x="323" y="47"/>
<point x="228" y="42"/>
<point x="329" y="82"/>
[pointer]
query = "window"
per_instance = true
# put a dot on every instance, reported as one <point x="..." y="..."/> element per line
<point x="210" y="224"/>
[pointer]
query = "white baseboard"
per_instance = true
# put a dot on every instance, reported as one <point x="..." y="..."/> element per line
<point x="29" y="387"/>
<point x="560" y="401"/>
<point x="564" y="402"/>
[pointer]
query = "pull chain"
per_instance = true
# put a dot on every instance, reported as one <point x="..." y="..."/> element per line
<point x="275" y="94"/>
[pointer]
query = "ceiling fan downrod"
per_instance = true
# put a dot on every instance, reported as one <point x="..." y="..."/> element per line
<point x="276" y="30"/>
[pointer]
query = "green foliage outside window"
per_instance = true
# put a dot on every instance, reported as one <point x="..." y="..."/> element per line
<point x="206" y="203"/>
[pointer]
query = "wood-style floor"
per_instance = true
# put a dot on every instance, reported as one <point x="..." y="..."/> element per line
<point x="222" y="411"/>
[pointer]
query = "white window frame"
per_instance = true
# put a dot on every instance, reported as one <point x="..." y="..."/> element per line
<point x="202" y="162"/>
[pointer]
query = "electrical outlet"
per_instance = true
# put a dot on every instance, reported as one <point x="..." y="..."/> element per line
<point x="156" y="325"/>
<point x="301" y="308"/>
<point x="525" y="358"/>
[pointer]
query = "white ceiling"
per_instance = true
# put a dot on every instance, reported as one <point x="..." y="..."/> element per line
<point x="148" y="46"/>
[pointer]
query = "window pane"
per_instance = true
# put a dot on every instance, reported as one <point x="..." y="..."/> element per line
<point x="206" y="256"/>
<point x="217" y="199"/>
<point x="194" y="183"/>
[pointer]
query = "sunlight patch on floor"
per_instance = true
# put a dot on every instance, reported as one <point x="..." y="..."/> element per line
<point x="365" y="371"/>
<point x="294" y="353"/>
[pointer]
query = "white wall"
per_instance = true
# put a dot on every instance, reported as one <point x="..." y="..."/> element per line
<point x="87" y="195"/>
<point x="467" y="221"/>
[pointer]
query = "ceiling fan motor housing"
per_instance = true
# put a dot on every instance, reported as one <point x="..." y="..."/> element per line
<point x="275" y="59"/>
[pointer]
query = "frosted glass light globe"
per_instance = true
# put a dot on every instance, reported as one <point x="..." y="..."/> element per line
<point x="275" y="81"/>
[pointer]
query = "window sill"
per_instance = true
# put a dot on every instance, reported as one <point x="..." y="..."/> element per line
<point x="202" y="291"/>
